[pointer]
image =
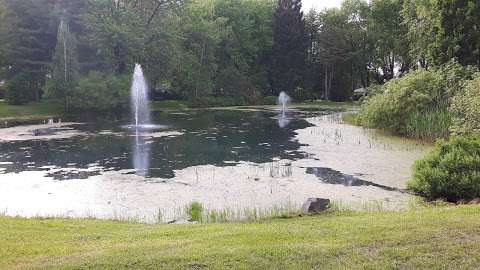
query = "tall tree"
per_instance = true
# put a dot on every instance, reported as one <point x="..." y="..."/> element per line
<point x="389" y="33"/>
<point x="460" y="24"/>
<point x="28" y="37"/>
<point x="290" y="45"/>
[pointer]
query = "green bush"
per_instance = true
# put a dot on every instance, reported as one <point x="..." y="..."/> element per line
<point x="455" y="76"/>
<point x="19" y="89"/>
<point x="451" y="171"/>
<point x="417" y="91"/>
<point x="466" y="108"/>
<point x="228" y="101"/>
<point x="300" y="94"/>
<point x="194" y="211"/>
<point x="270" y="100"/>
<point x="101" y="93"/>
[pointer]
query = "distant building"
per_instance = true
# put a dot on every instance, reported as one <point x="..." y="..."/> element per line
<point x="360" y="91"/>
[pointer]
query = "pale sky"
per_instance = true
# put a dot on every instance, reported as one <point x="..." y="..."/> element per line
<point x="320" y="4"/>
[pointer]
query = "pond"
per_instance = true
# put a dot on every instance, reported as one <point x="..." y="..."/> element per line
<point x="225" y="159"/>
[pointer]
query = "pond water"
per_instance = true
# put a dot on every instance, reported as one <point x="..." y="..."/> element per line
<point x="229" y="158"/>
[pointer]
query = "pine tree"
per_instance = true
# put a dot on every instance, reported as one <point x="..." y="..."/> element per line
<point x="290" y="45"/>
<point x="28" y="39"/>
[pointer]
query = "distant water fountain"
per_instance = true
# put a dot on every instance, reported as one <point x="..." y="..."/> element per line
<point x="140" y="112"/>
<point x="283" y="100"/>
<point x="139" y="99"/>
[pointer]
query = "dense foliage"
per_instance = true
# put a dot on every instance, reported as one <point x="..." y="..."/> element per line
<point x="417" y="92"/>
<point x="451" y="171"/>
<point x="97" y="92"/>
<point x="417" y="104"/>
<point x="230" y="48"/>
<point x="19" y="89"/>
<point x="466" y="108"/>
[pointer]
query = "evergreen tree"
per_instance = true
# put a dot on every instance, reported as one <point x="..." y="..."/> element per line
<point x="290" y="45"/>
<point x="28" y="39"/>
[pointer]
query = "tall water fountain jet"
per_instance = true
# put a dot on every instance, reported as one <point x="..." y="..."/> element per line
<point x="283" y="100"/>
<point x="141" y="117"/>
<point x="139" y="99"/>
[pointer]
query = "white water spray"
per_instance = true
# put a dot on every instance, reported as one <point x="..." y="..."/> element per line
<point x="283" y="99"/>
<point x="139" y="97"/>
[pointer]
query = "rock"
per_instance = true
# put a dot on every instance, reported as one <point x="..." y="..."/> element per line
<point x="475" y="201"/>
<point x="43" y="132"/>
<point x="316" y="205"/>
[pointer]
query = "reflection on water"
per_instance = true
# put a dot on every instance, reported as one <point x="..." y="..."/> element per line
<point x="141" y="153"/>
<point x="220" y="138"/>
<point x="283" y="121"/>
<point x="331" y="176"/>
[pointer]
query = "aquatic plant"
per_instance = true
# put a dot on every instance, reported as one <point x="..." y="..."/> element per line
<point x="194" y="211"/>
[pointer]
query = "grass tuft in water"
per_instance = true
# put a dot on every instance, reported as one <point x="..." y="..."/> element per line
<point x="194" y="211"/>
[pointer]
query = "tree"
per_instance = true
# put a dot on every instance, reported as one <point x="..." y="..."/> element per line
<point x="290" y="45"/>
<point x="122" y="30"/>
<point x="391" y="47"/>
<point x="247" y="40"/>
<point x="28" y="39"/>
<point x="460" y="35"/>
<point x="423" y="23"/>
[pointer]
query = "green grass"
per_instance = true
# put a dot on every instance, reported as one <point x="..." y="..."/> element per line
<point x="30" y="111"/>
<point x="168" y="104"/>
<point x="426" y="238"/>
<point x="429" y="125"/>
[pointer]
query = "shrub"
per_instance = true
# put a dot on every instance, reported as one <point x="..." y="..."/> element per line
<point x="100" y="93"/>
<point x="466" y="108"/>
<point x="455" y="76"/>
<point x="232" y="82"/>
<point x="451" y="171"/>
<point x="270" y="100"/>
<point x="300" y="94"/>
<point x="415" y="92"/>
<point x="194" y="210"/>
<point x="19" y="89"/>
<point x="228" y="101"/>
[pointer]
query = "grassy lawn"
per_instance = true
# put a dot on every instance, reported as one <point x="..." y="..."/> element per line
<point x="429" y="238"/>
<point x="29" y="111"/>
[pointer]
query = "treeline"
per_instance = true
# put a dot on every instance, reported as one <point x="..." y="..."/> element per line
<point x="251" y="49"/>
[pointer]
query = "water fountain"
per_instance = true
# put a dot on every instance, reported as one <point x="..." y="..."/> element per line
<point x="139" y="99"/>
<point x="140" y="112"/>
<point x="283" y="100"/>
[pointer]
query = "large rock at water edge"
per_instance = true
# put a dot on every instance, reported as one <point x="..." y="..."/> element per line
<point x="316" y="205"/>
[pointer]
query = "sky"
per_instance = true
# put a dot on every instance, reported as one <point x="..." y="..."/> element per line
<point x="320" y="4"/>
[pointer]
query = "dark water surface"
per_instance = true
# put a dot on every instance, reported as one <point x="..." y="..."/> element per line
<point x="215" y="137"/>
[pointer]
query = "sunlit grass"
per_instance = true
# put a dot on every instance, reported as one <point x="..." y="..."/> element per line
<point x="425" y="238"/>
<point x="31" y="110"/>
